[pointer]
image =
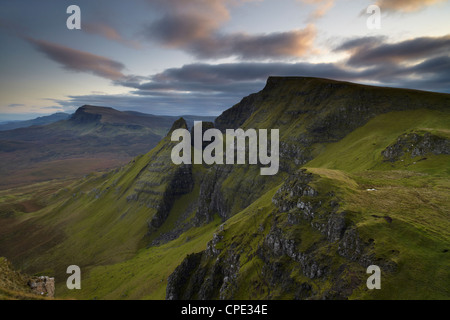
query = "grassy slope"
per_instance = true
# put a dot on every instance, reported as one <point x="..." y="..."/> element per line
<point x="144" y="276"/>
<point x="413" y="196"/>
<point x="13" y="284"/>
<point x="88" y="222"/>
<point x="93" y="222"/>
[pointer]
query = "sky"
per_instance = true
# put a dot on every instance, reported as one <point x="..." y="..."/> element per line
<point x="200" y="57"/>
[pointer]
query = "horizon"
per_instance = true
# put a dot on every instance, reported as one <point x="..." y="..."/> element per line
<point x="35" y="116"/>
<point x="27" y="117"/>
<point x="202" y="57"/>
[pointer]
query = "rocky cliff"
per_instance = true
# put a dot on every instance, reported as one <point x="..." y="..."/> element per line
<point x="310" y="114"/>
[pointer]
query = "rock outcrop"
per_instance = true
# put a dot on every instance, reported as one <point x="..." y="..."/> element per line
<point x="17" y="285"/>
<point x="44" y="286"/>
<point x="299" y="206"/>
<point x="416" y="145"/>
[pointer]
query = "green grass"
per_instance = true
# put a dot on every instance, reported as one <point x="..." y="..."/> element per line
<point x="13" y="284"/>
<point x="361" y="149"/>
<point x="144" y="276"/>
<point x="415" y="196"/>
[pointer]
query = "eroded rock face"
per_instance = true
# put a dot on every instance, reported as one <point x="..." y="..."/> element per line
<point x="338" y="255"/>
<point x="210" y="200"/>
<point x="178" y="281"/>
<point x="181" y="183"/>
<point x="296" y="186"/>
<point x="198" y="278"/>
<point x="44" y="286"/>
<point x="234" y="117"/>
<point x="277" y="244"/>
<point x="416" y="145"/>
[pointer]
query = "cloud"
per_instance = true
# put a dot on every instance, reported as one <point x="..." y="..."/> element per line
<point x="373" y="50"/>
<point x="80" y="61"/>
<point x="322" y="7"/>
<point x="207" y="89"/>
<point x="109" y="33"/>
<point x="184" y="22"/>
<point x="295" y="43"/>
<point x="220" y="74"/>
<point x="194" y="26"/>
<point x="435" y="65"/>
<point x="230" y="81"/>
<point x="406" y="5"/>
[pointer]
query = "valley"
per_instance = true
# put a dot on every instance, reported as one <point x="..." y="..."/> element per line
<point x="92" y="139"/>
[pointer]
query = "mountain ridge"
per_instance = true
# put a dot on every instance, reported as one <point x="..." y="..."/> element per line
<point x="11" y="125"/>
<point x="226" y="232"/>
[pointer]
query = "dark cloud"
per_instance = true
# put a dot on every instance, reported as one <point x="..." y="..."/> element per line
<point x="188" y="35"/>
<point x="15" y="105"/>
<point x="250" y="71"/>
<point x="232" y="79"/>
<point x="76" y="60"/>
<point x="295" y="43"/>
<point x="366" y="42"/>
<point x="371" y="50"/>
<point x="436" y="65"/>
<point x="194" y="26"/>
<point x="184" y="22"/>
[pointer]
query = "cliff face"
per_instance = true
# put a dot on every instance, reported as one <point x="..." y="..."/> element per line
<point x="300" y="211"/>
<point x="309" y="113"/>
<point x="236" y="116"/>
<point x="160" y="182"/>
<point x="308" y="244"/>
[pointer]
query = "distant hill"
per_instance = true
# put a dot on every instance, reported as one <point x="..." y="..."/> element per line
<point x="93" y="138"/>
<point x="34" y="122"/>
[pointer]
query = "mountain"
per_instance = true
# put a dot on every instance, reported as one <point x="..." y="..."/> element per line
<point x="34" y="122"/>
<point x="363" y="180"/>
<point x="93" y="138"/>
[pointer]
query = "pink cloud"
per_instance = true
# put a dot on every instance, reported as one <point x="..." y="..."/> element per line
<point x="80" y="61"/>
